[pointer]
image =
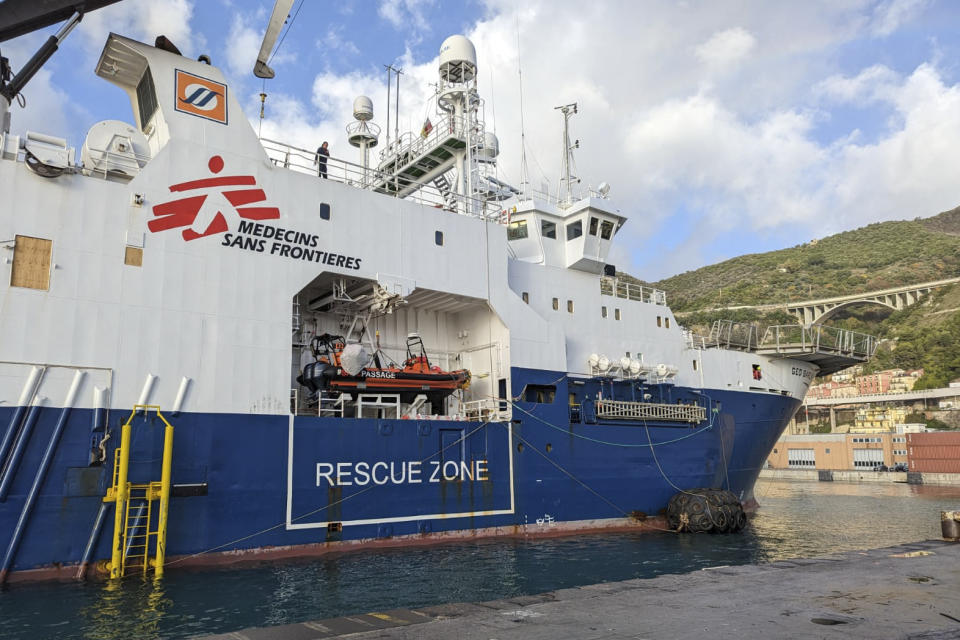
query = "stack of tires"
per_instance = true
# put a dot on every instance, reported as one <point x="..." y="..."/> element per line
<point x="706" y="511"/>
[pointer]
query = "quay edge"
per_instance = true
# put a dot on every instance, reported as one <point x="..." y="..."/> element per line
<point x="906" y="591"/>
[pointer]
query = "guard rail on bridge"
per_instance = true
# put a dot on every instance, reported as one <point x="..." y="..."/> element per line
<point x="830" y="348"/>
<point x="302" y="160"/>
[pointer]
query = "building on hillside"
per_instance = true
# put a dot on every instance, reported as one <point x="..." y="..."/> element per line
<point x="874" y="383"/>
<point x="912" y="427"/>
<point x="832" y="389"/>
<point x="903" y="381"/>
<point x="870" y="419"/>
<point x="840" y="451"/>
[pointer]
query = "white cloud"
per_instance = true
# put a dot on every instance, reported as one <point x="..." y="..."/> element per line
<point x="144" y="21"/>
<point x="726" y="47"/>
<point x="871" y="84"/>
<point x="243" y="45"/>
<point x="888" y="16"/>
<point x="407" y="14"/>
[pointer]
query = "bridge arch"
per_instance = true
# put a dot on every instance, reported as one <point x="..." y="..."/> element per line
<point x="832" y="310"/>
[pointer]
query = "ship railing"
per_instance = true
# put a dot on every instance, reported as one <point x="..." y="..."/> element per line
<point x="624" y="410"/>
<point x="611" y="286"/>
<point x="115" y="165"/>
<point x="485" y="410"/>
<point x="819" y="339"/>
<point x="727" y="334"/>
<point x="409" y="146"/>
<point x="695" y="340"/>
<point x="355" y="175"/>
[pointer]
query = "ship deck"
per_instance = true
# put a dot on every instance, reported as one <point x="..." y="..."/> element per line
<point x="907" y="591"/>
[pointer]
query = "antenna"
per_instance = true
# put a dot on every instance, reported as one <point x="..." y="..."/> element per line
<point x="567" y="179"/>
<point x="396" y="126"/>
<point x="524" y="171"/>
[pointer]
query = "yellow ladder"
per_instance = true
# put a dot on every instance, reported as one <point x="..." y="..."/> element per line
<point x="133" y="526"/>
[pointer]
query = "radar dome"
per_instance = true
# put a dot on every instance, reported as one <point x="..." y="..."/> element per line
<point x="489" y="148"/>
<point x="458" y="59"/>
<point x="363" y="108"/>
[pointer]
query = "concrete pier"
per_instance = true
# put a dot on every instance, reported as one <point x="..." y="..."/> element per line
<point x="908" y="591"/>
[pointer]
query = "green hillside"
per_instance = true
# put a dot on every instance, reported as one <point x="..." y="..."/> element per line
<point x="878" y="256"/>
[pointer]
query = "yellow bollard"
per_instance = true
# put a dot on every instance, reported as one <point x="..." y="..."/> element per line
<point x="123" y="494"/>
<point x="164" y="496"/>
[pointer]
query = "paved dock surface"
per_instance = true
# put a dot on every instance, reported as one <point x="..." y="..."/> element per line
<point x="908" y="591"/>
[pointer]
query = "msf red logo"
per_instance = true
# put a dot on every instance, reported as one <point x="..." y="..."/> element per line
<point x="206" y="213"/>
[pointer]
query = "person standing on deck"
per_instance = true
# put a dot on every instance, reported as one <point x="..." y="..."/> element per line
<point x="321" y="159"/>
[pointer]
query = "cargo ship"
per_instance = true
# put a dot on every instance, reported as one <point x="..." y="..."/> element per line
<point x="213" y="349"/>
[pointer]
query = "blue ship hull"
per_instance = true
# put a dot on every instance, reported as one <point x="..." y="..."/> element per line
<point x="249" y="483"/>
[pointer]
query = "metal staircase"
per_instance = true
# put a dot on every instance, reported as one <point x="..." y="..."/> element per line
<point x="140" y="527"/>
<point x="442" y="183"/>
<point x="416" y="160"/>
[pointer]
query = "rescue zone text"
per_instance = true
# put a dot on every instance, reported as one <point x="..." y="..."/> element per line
<point x="345" y="474"/>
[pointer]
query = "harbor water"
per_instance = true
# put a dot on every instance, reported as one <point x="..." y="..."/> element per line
<point x="796" y="519"/>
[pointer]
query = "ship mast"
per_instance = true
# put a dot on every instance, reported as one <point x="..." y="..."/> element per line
<point x="567" y="180"/>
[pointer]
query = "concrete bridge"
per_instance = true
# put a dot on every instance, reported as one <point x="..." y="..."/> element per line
<point x="890" y="396"/>
<point x="809" y="312"/>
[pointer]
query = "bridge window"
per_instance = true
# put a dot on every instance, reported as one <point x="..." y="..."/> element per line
<point x="659" y="321"/>
<point x="593" y="226"/>
<point x="606" y="229"/>
<point x="438" y="238"/>
<point x="616" y="314"/>
<point x="517" y="230"/>
<point x="540" y="393"/>
<point x="603" y="312"/>
<point x="556" y="304"/>
<point x="666" y="322"/>
<point x="574" y="230"/>
<point x="146" y="99"/>
<point x="569" y="306"/>
<point x="694" y="365"/>
<point x="548" y="229"/>
<point x="526" y="297"/>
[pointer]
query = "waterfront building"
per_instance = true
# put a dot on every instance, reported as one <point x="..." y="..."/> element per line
<point x="840" y="451"/>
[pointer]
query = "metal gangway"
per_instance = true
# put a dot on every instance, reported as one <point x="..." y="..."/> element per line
<point x="830" y="348"/>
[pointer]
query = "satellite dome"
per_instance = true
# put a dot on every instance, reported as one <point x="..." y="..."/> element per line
<point x="458" y="59"/>
<point x="363" y="108"/>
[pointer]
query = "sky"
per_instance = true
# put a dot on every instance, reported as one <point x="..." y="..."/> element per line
<point x="724" y="127"/>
